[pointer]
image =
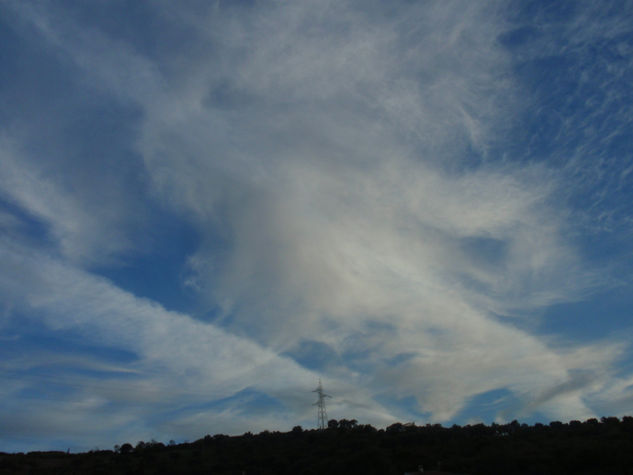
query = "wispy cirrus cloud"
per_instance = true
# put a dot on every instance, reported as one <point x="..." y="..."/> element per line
<point x="176" y="362"/>
<point x="364" y="203"/>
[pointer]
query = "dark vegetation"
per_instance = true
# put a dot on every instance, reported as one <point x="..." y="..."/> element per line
<point x="346" y="447"/>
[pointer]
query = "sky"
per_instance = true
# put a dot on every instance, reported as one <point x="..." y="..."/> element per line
<point x="207" y="206"/>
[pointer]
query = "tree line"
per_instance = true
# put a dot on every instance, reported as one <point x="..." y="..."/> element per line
<point x="594" y="446"/>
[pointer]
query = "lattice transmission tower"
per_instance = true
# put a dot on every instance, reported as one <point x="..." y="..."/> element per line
<point x="320" y="404"/>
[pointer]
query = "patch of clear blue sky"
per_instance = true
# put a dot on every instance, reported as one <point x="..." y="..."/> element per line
<point x="79" y="121"/>
<point x="31" y="227"/>
<point x="486" y="407"/>
<point x="602" y="316"/>
<point x="24" y="336"/>
<point x="159" y="273"/>
<point x="572" y="84"/>
<point x="314" y="355"/>
<point x="408" y="404"/>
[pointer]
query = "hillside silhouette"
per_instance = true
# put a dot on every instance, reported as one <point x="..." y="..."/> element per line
<point x="592" y="447"/>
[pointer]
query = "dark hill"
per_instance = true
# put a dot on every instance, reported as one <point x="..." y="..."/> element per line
<point x="590" y="447"/>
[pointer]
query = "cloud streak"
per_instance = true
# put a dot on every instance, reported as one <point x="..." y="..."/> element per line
<point x="178" y="361"/>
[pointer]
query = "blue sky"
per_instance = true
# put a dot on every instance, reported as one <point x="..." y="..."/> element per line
<point x="205" y="207"/>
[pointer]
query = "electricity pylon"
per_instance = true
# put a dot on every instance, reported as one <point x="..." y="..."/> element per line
<point x="320" y="404"/>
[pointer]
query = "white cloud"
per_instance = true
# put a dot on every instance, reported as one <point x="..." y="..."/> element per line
<point x="84" y="229"/>
<point x="66" y="298"/>
<point x="338" y="164"/>
<point x="180" y="361"/>
<point x="336" y="218"/>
